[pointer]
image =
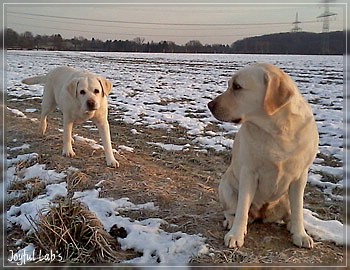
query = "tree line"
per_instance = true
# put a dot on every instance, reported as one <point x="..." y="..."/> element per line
<point x="282" y="43"/>
<point x="295" y="43"/>
<point x="28" y="41"/>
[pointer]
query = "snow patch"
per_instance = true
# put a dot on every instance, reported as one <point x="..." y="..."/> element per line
<point x="171" y="147"/>
<point x="27" y="213"/>
<point x="325" y="230"/>
<point x="156" y="245"/>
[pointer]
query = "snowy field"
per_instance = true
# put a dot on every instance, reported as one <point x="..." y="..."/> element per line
<point x="164" y="91"/>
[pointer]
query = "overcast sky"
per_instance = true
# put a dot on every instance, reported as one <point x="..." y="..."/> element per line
<point x="209" y="23"/>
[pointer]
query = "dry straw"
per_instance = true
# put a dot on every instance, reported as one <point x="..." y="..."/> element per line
<point x="71" y="230"/>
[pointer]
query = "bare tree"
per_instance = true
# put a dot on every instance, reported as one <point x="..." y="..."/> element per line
<point x="139" y="40"/>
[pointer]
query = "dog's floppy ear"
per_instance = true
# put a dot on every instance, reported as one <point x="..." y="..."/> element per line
<point x="279" y="91"/>
<point x="72" y="87"/>
<point x="105" y="85"/>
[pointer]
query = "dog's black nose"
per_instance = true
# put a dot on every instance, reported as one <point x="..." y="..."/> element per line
<point x="91" y="104"/>
<point x="211" y="105"/>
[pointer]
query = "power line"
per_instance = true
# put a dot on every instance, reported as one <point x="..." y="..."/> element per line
<point x="126" y="34"/>
<point x="154" y="23"/>
<point x="148" y="28"/>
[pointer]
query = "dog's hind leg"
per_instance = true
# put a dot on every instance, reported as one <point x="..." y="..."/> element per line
<point x="47" y="106"/>
<point x="277" y="211"/>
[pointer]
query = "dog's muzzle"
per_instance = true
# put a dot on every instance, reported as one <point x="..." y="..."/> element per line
<point x="91" y="105"/>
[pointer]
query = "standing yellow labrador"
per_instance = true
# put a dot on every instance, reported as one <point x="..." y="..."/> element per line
<point x="81" y="96"/>
<point x="271" y="153"/>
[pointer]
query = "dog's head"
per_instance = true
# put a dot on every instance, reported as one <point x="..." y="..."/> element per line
<point x="89" y="91"/>
<point x="259" y="89"/>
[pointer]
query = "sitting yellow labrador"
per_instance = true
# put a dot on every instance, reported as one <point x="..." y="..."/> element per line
<point x="271" y="153"/>
<point x="81" y="96"/>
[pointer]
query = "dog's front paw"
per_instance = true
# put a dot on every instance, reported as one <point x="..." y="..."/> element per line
<point x="113" y="163"/>
<point x="303" y="240"/>
<point x="68" y="153"/>
<point x="234" y="240"/>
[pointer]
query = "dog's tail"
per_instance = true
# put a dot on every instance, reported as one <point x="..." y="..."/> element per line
<point x="35" y="80"/>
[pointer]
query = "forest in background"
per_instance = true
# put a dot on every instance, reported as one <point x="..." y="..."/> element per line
<point x="332" y="43"/>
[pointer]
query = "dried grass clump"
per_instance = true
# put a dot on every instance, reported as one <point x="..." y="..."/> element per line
<point x="71" y="230"/>
<point x="77" y="181"/>
<point x="20" y="166"/>
<point x="225" y="256"/>
<point x="29" y="190"/>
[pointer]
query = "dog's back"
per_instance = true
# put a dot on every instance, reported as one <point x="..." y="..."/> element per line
<point x="62" y="72"/>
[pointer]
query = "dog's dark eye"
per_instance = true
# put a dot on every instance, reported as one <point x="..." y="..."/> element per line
<point x="236" y="86"/>
<point x="82" y="92"/>
<point x="96" y="91"/>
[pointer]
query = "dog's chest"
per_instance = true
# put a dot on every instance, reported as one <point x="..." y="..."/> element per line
<point x="257" y="145"/>
<point x="83" y="117"/>
<point x="273" y="182"/>
<point x="275" y="166"/>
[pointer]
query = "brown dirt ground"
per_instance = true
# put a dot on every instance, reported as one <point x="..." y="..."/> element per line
<point x="183" y="185"/>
